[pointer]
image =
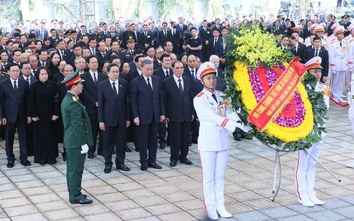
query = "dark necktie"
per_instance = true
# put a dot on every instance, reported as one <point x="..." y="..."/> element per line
<point x="95" y="78"/>
<point x="192" y="71"/>
<point x="295" y="49"/>
<point x="316" y="53"/>
<point x="180" y="86"/>
<point x="166" y="75"/>
<point x="340" y="43"/>
<point x="28" y="80"/>
<point x="15" y="86"/>
<point x="114" y="89"/>
<point x="213" y="95"/>
<point x="103" y="54"/>
<point x="149" y="85"/>
<point x="62" y="55"/>
<point x="215" y="42"/>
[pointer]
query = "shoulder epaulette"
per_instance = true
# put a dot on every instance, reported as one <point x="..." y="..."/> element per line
<point x="74" y="98"/>
<point x="200" y="94"/>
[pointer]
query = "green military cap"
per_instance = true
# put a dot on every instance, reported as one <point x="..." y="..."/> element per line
<point x="117" y="39"/>
<point x="130" y="39"/>
<point x="73" y="79"/>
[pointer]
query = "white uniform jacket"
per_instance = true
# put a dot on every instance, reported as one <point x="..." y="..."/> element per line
<point x="338" y="56"/>
<point x="215" y="119"/>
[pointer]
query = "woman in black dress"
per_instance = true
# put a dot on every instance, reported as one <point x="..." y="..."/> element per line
<point x="53" y="66"/>
<point x="44" y="111"/>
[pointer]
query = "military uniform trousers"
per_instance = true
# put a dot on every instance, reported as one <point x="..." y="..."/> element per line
<point x="75" y="161"/>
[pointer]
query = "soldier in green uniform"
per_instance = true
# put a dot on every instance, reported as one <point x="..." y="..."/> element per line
<point x="130" y="43"/>
<point x="77" y="137"/>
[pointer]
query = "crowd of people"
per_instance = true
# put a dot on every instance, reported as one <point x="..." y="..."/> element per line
<point x="139" y="83"/>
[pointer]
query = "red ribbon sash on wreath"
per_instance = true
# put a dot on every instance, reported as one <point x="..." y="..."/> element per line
<point x="278" y="95"/>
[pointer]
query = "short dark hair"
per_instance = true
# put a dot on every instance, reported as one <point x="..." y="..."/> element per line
<point x="41" y="51"/>
<point x="16" y="50"/>
<point x="36" y="74"/>
<point x="113" y="57"/>
<point x="316" y="38"/>
<point x="90" y="57"/>
<point x="164" y="56"/>
<point x="136" y="59"/>
<point x="11" y="65"/>
<point x="174" y="63"/>
<point x="112" y="65"/>
<point x="23" y="63"/>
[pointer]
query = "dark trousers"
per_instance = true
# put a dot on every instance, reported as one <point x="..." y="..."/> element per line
<point x="179" y="140"/>
<point x="29" y="139"/>
<point x="10" y="131"/>
<point x="147" y="135"/>
<point x="74" y="169"/>
<point x="195" y="130"/>
<point x="162" y="133"/>
<point x="117" y="136"/>
<point x="95" y="132"/>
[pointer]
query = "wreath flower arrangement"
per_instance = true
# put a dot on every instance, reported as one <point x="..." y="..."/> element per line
<point x="256" y="69"/>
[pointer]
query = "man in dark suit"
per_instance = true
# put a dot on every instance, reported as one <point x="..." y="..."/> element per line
<point x="191" y="72"/>
<point x="64" y="53"/>
<point x="163" y="72"/>
<point x="104" y="30"/>
<point x="175" y="38"/>
<point x="125" y="35"/>
<point x="146" y="99"/>
<point x="113" y="117"/>
<point x="14" y="93"/>
<point x="42" y="58"/>
<point x="41" y="32"/>
<point x="90" y="100"/>
<point x="26" y="72"/>
<point x="164" y="35"/>
<point x="329" y="24"/>
<point x="101" y="54"/>
<point x="205" y="34"/>
<point x="145" y="37"/>
<point x="178" y="99"/>
<point x="215" y="44"/>
<point x="320" y="51"/>
<point x="297" y="48"/>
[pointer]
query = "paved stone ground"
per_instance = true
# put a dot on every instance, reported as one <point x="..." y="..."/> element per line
<point x="39" y="192"/>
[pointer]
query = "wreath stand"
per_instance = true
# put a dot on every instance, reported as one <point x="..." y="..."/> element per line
<point x="277" y="169"/>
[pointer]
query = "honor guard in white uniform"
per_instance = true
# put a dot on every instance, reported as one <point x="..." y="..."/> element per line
<point x="337" y="51"/>
<point x="306" y="165"/>
<point x="319" y="30"/>
<point x="350" y="57"/>
<point x="298" y="30"/>
<point x="351" y="104"/>
<point x="332" y="37"/>
<point x="312" y="30"/>
<point x="216" y="118"/>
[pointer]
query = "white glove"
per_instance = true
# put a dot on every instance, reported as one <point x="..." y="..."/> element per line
<point x="84" y="148"/>
<point x="246" y="128"/>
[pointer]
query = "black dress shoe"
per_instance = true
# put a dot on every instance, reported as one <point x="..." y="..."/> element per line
<point x="154" y="165"/>
<point x="107" y="169"/>
<point x="186" y="161"/>
<point x="173" y="163"/>
<point x="162" y="146"/>
<point x="143" y="167"/>
<point x="91" y="156"/>
<point x="10" y="164"/>
<point x="25" y="163"/>
<point x="81" y="201"/>
<point x="127" y="149"/>
<point x="84" y="196"/>
<point x="123" y="167"/>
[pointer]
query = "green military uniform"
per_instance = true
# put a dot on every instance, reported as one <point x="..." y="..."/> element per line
<point x="77" y="132"/>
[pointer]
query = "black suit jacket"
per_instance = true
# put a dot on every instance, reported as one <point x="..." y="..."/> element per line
<point x="67" y="55"/>
<point x="217" y="49"/>
<point x="145" y="39"/>
<point x="12" y="102"/>
<point x="301" y="48"/>
<point x="101" y="59"/>
<point x="163" y="38"/>
<point x="178" y="106"/>
<point x="146" y="105"/>
<point x="181" y="30"/>
<point x="323" y="53"/>
<point x="33" y="79"/>
<point x="89" y="94"/>
<point x="113" y="110"/>
<point x="161" y="73"/>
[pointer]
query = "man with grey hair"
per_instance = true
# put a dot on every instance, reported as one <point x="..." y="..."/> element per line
<point x="216" y="60"/>
<point x="80" y="64"/>
<point x="148" y="109"/>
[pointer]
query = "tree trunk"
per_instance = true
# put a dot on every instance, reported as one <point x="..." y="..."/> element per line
<point x="24" y="8"/>
<point x="124" y="10"/>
